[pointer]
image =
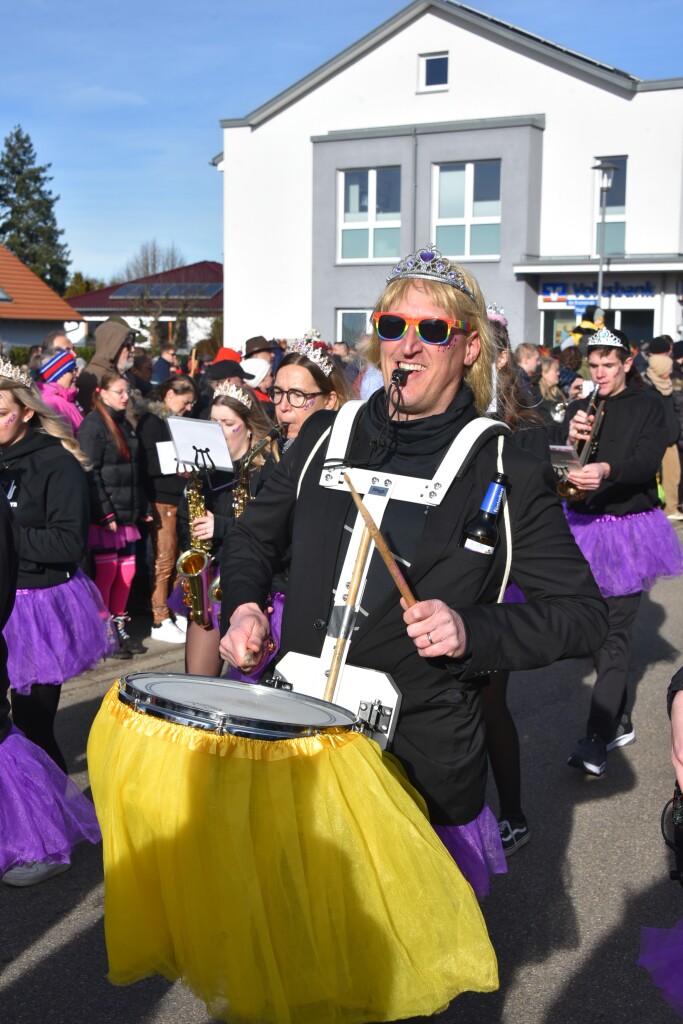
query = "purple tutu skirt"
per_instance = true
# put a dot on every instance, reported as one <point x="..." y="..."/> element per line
<point x="627" y="554"/>
<point x="661" y="953"/>
<point x="57" y="632"/>
<point x="476" y="849"/>
<point x="43" y="814"/>
<point x="101" y="539"/>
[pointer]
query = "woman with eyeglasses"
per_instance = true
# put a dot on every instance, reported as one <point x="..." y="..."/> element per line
<point x="116" y="501"/>
<point x="174" y="397"/>
<point x="306" y="382"/>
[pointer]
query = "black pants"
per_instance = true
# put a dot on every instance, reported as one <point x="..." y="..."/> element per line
<point x="34" y="713"/>
<point x="608" y="702"/>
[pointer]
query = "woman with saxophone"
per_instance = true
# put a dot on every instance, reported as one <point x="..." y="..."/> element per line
<point x="618" y="525"/>
<point x="212" y="503"/>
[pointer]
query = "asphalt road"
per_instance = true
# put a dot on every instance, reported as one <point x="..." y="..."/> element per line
<point x="565" y="920"/>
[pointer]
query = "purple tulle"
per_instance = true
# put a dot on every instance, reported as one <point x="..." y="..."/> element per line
<point x="627" y="553"/>
<point x="661" y="953"/>
<point x="513" y="595"/>
<point x="476" y="849"/>
<point x="57" y="632"/>
<point x="176" y="604"/>
<point x="102" y="539"/>
<point x="43" y="814"/>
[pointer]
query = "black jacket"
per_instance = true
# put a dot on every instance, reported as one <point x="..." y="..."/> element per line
<point x="48" y="492"/>
<point x="440" y="736"/>
<point x="9" y="567"/>
<point x="114" y="480"/>
<point x="153" y="428"/>
<point x="633" y="438"/>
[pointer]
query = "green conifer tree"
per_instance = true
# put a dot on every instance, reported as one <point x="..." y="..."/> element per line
<point x="28" y="225"/>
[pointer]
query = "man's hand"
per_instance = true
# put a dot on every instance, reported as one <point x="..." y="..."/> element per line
<point x="580" y="426"/>
<point x="242" y="646"/>
<point x="590" y="476"/>
<point x="436" y="630"/>
<point x="677" y="736"/>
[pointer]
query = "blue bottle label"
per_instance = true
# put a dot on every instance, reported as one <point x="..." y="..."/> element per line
<point x="494" y="496"/>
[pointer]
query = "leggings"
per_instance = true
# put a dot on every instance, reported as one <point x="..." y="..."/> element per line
<point x="503" y="746"/>
<point x="34" y="713"/>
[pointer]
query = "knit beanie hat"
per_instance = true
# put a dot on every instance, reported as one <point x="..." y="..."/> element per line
<point x="56" y="366"/>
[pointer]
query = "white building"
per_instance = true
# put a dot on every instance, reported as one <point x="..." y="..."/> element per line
<point x="448" y="126"/>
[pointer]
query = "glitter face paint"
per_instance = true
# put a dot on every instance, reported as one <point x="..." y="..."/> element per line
<point x="11" y="419"/>
<point x="310" y="403"/>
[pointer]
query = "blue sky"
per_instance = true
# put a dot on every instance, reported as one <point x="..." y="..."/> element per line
<point x="124" y="99"/>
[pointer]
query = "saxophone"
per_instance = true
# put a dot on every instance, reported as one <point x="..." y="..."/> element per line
<point x="193" y="566"/>
<point x="585" y="449"/>
<point x="242" y="494"/>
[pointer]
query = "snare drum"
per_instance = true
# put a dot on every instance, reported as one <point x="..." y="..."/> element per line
<point x="259" y="848"/>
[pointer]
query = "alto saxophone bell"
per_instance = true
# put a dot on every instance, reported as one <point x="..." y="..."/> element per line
<point x="193" y="567"/>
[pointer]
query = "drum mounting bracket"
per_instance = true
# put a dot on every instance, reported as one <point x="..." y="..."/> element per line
<point x="374" y="715"/>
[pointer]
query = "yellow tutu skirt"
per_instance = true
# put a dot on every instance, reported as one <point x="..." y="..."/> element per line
<point x="290" y="881"/>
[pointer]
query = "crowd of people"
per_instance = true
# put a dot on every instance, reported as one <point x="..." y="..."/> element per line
<point x="86" y="503"/>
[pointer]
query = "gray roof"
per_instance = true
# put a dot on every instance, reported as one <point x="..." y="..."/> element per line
<point x="468" y="18"/>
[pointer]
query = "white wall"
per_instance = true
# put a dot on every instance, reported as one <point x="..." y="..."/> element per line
<point x="267" y="171"/>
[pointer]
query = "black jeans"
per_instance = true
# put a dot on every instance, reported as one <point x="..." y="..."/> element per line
<point x="608" y="702"/>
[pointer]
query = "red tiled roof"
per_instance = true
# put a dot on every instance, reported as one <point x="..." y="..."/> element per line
<point x="204" y="272"/>
<point x="30" y="298"/>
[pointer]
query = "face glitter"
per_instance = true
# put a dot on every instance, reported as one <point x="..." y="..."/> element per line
<point x="12" y="418"/>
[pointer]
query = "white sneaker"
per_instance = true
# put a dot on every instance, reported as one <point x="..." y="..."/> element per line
<point x="180" y="621"/>
<point x="167" y="632"/>
<point x="33" y="871"/>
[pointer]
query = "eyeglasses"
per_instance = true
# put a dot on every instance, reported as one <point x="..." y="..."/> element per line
<point x="297" y="399"/>
<point x="431" y="330"/>
<point x="112" y="391"/>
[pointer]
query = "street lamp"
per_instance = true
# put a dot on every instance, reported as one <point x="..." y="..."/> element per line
<point x="606" y="178"/>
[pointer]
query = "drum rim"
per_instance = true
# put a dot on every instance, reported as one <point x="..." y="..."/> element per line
<point x="219" y="722"/>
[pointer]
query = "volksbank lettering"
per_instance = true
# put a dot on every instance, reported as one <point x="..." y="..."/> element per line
<point x="559" y="290"/>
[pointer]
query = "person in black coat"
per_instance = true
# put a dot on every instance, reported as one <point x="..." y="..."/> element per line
<point x="175" y="397"/>
<point x="58" y="626"/>
<point x="618" y="525"/>
<point x="438" y="650"/>
<point x="116" y="500"/>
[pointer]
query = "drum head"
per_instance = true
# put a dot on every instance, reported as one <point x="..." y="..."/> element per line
<point x="224" y="705"/>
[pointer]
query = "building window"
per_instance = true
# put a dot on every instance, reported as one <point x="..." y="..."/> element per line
<point x="432" y="72"/>
<point x="466" y="208"/>
<point x="370" y="214"/>
<point x="615" y="210"/>
<point x="352" y="324"/>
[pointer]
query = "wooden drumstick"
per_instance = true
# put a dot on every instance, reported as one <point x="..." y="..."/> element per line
<point x="382" y="546"/>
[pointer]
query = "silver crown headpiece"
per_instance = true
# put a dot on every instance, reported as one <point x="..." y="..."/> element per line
<point x="12" y="372"/>
<point x="233" y="391"/>
<point x="316" y="355"/>
<point x="496" y="313"/>
<point x="429" y="265"/>
<point x="603" y="336"/>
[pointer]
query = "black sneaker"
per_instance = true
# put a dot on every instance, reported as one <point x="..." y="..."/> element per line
<point x="624" y="735"/>
<point x="512" y="837"/>
<point x="127" y="642"/>
<point x="590" y="755"/>
<point x="120" y="654"/>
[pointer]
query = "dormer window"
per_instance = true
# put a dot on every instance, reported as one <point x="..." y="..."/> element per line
<point x="433" y="72"/>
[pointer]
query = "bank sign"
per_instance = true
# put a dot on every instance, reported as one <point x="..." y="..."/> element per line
<point x="581" y="292"/>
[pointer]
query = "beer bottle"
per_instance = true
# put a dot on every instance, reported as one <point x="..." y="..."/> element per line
<point x="481" y="534"/>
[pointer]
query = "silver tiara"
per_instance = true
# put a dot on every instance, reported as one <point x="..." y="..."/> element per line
<point x="429" y="265"/>
<point x="232" y="391"/>
<point x="496" y="313"/>
<point x="12" y="372"/>
<point x="605" y="337"/>
<point x="316" y="355"/>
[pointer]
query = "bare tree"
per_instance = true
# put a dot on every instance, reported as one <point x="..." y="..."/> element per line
<point x="151" y="258"/>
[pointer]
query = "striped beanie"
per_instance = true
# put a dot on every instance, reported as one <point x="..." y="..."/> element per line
<point x="57" y="365"/>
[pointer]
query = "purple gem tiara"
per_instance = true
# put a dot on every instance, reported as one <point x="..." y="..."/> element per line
<point x="603" y="336"/>
<point x="12" y="372"/>
<point x="428" y="264"/>
<point x="233" y="391"/>
<point x="316" y="355"/>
